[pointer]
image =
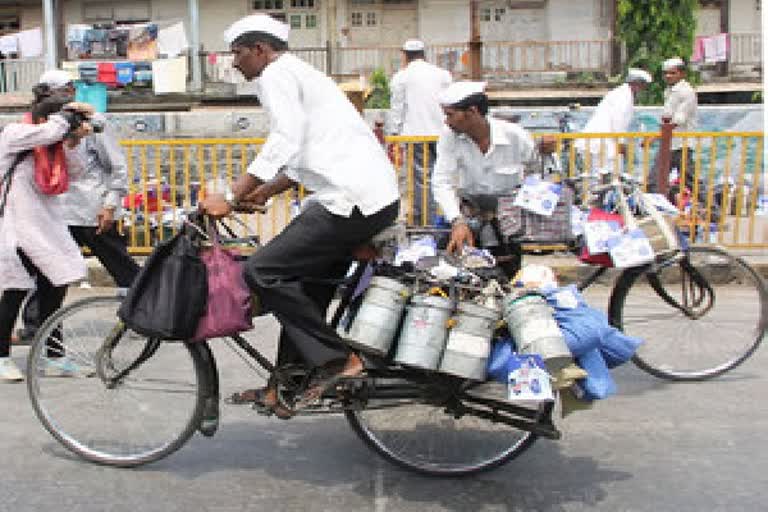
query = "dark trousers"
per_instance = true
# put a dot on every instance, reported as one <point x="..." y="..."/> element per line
<point x="676" y="162"/>
<point x="109" y="248"/>
<point x="419" y="171"/>
<point x="287" y="275"/>
<point x="50" y="298"/>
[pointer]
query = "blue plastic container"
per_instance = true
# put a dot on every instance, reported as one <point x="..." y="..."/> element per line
<point x="124" y="72"/>
<point x="93" y="94"/>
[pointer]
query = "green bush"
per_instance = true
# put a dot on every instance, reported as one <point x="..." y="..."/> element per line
<point x="379" y="97"/>
<point x="653" y="31"/>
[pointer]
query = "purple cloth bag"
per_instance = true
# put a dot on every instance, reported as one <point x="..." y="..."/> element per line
<point x="228" y="310"/>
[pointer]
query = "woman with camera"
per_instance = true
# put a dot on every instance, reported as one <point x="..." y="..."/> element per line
<point x="36" y="248"/>
<point x="92" y="202"/>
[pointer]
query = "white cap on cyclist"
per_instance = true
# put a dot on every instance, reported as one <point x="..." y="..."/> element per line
<point x="673" y="63"/>
<point x="639" y="75"/>
<point x="458" y="91"/>
<point x="257" y="23"/>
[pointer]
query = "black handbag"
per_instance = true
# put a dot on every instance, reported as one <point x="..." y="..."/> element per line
<point x="168" y="296"/>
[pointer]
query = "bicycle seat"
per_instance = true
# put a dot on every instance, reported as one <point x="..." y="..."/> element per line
<point x="369" y="250"/>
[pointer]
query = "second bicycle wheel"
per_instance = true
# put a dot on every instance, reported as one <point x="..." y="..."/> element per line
<point x="722" y="322"/>
<point x="127" y="421"/>
<point x="421" y="435"/>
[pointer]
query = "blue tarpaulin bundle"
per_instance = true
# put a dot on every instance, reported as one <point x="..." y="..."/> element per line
<point x="595" y="344"/>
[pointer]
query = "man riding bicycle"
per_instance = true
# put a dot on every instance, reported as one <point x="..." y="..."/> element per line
<point x="317" y="139"/>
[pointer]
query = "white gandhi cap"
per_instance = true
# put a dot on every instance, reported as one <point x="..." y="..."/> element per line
<point x="459" y="91"/>
<point x="413" y="45"/>
<point x="638" y="75"/>
<point x="673" y="63"/>
<point x="257" y="23"/>
<point x="55" y="78"/>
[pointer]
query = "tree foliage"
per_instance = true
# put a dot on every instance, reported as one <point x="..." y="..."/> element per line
<point x="379" y="97"/>
<point x="653" y="31"/>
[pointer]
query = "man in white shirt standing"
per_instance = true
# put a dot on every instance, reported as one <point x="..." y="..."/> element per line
<point x="680" y="104"/>
<point x="612" y="115"/>
<point x="319" y="140"/>
<point x="478" y="159"/>
<point x="415" y="111"/>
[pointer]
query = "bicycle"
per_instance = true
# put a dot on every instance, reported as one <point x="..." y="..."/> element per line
<point x="144" y="398"/>
<point x="672" y="302"/>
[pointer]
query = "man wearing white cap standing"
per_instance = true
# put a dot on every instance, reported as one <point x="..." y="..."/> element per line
<point x="612" y="115"/>
<point x="319" y="140"/>
<point x="478" y="157"/>
<point x="680" y="105"/>
<point x="415" y="111"/>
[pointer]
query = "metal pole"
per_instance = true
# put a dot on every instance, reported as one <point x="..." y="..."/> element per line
<point x="194" y="46"/>
<point x="51" y="59"/>
<point x="664" y="155"/>
<point x="475" y="43"/>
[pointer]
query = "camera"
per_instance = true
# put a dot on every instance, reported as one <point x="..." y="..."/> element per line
<point x="96" y="124"/>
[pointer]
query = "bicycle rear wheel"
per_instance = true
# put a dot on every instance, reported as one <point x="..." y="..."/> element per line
<point x="726" y="318"/>
<point x="422" y="434"/>
<point x="139" y="418"/>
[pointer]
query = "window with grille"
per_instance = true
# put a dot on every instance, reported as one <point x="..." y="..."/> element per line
<point x="357" y="19"/>
<point x="370" y="19"/>
<point x="268" y="5"/>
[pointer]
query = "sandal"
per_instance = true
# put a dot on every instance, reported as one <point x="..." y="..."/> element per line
<point x="322" y="384"/>
<point x="248" y="396"/>
<point x="275" y="406"/>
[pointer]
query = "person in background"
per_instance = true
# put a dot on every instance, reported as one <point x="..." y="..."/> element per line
<point x="478" y="159"/>
<point x="91" y="204"/>
<point x="680" y="105"/>
<point x="319" y="140"/>
<point x="415" y="111"/>
<point x="36" y="248"/>
<point x="612" y="115"/>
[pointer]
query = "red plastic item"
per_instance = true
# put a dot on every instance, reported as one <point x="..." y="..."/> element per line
<point x="107" y="73"/>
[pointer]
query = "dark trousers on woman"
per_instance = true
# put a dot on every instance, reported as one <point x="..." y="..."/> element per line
<point x="109" y="248"/>
<point x="50" y="298"/>
<point x="288" y="275"/>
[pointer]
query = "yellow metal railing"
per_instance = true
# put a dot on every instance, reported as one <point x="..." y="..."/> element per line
<point x="168" y="176"/>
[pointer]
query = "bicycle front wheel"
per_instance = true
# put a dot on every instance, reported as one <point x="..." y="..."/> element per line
<point x="698" y="318"/>
<point x="78" y="393"/>
<point x="423" y="436"/>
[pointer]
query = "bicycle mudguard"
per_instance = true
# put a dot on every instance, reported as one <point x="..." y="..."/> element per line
<point x="209" y="422"/>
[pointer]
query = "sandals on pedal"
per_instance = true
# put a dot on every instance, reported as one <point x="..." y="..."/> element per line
<point x="258" y="397"/>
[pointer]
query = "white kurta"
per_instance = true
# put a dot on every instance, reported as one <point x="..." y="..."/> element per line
<point x="32" y="221"/>
<point x="415" y="106"/>
<point x="612" y="115"/>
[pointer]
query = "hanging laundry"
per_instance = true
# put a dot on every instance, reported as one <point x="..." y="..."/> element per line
<point x="9" y="45"/>
<point x="30" y="43"/>
<point x="698" y="49"/>
<point x="172" y="41"/>
<point x="721" y="47"/>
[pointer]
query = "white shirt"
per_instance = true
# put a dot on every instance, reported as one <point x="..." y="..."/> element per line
<point x="319" y="140"/>
<point x="415" y="109"/>
<point x="612" y="115"/>
<point x="680" y="104"/>
<point x="462" y="167"/>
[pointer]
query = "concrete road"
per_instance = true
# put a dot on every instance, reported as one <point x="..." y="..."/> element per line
<point x="656" y="446"/>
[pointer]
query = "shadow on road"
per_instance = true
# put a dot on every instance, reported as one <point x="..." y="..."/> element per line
<point x="325" y="453"/>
